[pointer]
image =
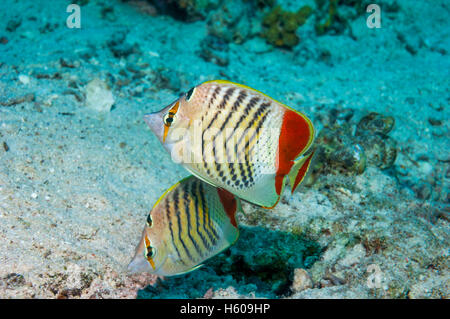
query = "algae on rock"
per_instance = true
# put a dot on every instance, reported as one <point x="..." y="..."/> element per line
<point x="280" y="26"/>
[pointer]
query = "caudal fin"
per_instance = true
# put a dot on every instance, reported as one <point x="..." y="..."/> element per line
<point x="299" y="170"/>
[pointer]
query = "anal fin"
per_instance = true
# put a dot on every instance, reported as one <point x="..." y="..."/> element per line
<point x="299" y="170"/>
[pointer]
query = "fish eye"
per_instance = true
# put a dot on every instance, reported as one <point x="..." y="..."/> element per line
<point x="168" y="118"/>
<point x="189" y="94"/>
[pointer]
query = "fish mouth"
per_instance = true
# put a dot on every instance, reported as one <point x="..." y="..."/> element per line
<point x="138" y="265"/>
<point x="151" y="118"/>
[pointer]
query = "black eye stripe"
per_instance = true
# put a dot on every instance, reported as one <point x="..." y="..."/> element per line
<point x="168" y="119"/>
<point x="150" y="252"/>
<point x="189" y="93"/>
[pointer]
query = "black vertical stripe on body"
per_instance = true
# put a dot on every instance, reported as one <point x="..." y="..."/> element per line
<point x="244" y="169"/>
<point x="210" y="103"/>
<point x="224" y="123"/>
<point x="242" y="173"/>
<point x="189" y="93"/>
<point x="244" y="115"/>
<point x="226" y="97"/>
<point x="241" y="97"/>
<point x="245" y="132"/>
<point x="214" y="146"/>
<point x="247" y="150"/>
<point x="230" y="112"/>
<point x="246" y="110"/>
<point x="213" y="96"/>
<point x="195" y="194"/>
<point x="217" y="165"/>
<point x="263" y="116"/>
<point x="253" y="101"/>
<point x="259" y="117"/>
<point x="211" y="231"/>
<point x="169" y="218"/>
<point x="203" y="137"/>
<point x="256" y="116"/>
<point x="180" y="229"/>
<point x="231" y="171"/>
<point x="204" y="210"/>
<point x="187" y="212"/>
<point x="258" y="128"/>
<point x="257" y="121"/>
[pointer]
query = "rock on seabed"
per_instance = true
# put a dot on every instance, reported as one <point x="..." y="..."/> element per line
<point x="98" y="96"/>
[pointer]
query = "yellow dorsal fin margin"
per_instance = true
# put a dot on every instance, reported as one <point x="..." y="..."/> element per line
<point x="169" y="190"/>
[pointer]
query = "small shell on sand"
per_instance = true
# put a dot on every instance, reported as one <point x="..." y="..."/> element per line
<point x="302" y="280"/>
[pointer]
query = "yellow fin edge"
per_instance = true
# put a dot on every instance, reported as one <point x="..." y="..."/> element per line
<point x="169" y="190"/>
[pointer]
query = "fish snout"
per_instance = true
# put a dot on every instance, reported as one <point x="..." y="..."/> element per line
<point x="156" y="123"/>
<point x="139" y="264"/>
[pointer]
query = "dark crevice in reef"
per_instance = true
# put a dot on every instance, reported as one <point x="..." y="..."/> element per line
<point x="262" y="261"/>
<point x="170" y="8"/>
